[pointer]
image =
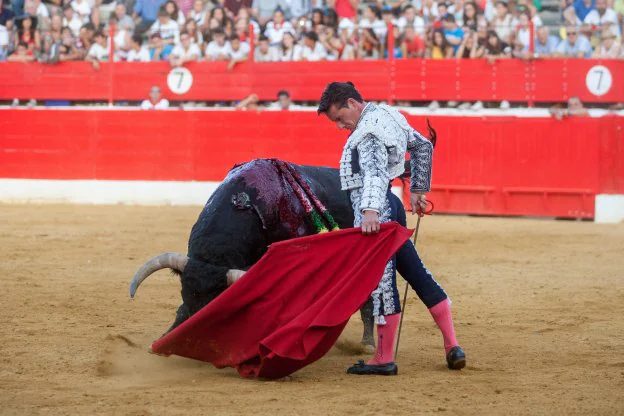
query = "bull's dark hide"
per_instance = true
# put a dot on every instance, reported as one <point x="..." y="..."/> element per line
<point x="252" y="208"/>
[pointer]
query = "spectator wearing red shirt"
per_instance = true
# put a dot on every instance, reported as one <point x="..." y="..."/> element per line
<point x="412" y="45"/>
<point x="28" y="34"/>
<point x="21" y="54"/>
<point x="233" y="6"/>
<point x="344" y="8"/>
<point x="184" y="7"/>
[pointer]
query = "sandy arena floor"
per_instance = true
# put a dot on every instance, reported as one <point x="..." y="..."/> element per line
<point x="538" y="306"/>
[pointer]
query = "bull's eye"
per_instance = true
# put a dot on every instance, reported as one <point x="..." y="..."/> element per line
<point x="241" y="201"/>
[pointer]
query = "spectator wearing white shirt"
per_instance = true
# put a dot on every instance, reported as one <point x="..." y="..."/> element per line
<point x="218" y="48"/>
<point x="4" y="43"/>
<point x="410" y="18"/>
<point x="429" y="10"/>
<point x="312" y="50"/>
<point x="489" y="11"/>
<point x="82" y="8"/>
<point x="534" y="14"/>
<point x="263" y="10"/>
<point x="123" y="20"/>
<point x="575" y="45"/>
<point x="168" y="29"/>
<point x="72" y="20"/>
<point x="196" y="36"/>
<point x="121" y="38"/>
<point x="245" y="15"/>
<point x="545" y="44"/>
<point x="241" y="28"/>
<point x="39" y="10"/>
<point x="174" y="13"/>
<point x="237" y="52"/>
<point x="284" y="102"/>
<point x="276" y="28"/>
<point x="504" y="22"/>
<point x="299" y="8"/>
<point x="608" y="47"/>
<point x="523" y="31"/>
<point x="289" y="50"/>
<point x="137" y="52"/>
<point x="155" y="101"/>
<point x="264" y="52"/>
<point x="603" y="18"/>
<point x="469" y="15"/>
<point x="371" y="19"/>
<point x="98" y="52"/>
<point x="198" y="13"/>
<point x="185" y="51"/>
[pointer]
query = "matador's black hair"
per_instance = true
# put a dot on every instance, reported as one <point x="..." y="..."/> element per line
<point x="337" y="93"/>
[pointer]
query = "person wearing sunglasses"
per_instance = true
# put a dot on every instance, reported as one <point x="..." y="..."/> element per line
<point x="575" y="45"/>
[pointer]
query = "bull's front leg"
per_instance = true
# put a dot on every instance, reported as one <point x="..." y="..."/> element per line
<point x="182" y="315"/>
<point x="368" y="321"/>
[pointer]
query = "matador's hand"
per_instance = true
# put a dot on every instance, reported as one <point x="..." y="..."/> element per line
<point x="418" y="203"/>
<point x="370" y="222"/>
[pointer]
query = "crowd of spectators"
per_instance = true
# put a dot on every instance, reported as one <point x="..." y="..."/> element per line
<point x="180" y="31"/>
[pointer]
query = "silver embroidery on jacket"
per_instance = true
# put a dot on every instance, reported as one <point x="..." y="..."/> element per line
<point x="391" y="129"/>
<point x="373" y="155"/>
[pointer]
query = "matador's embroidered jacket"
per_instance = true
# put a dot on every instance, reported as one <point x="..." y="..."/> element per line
<point x="373" y="155"/>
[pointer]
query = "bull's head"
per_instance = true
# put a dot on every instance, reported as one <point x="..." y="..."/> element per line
<point x="176" y="262"/>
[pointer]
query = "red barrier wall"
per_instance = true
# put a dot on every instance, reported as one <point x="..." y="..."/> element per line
<point x="412" y="79"/>
<point x="488" y="165"/>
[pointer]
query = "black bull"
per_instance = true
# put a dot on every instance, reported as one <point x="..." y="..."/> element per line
<point x="253" y="208"/>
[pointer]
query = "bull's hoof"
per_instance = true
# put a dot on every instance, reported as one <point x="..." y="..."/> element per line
<point x="368" y="348"/>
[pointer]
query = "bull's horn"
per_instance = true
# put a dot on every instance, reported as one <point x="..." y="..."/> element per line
<point x="233" y="275"/>
<point x="176" y="261"/>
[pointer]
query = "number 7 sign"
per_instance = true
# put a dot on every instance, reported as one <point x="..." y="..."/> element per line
<point x="598" y="80"/>
<point x="180" y="80"/>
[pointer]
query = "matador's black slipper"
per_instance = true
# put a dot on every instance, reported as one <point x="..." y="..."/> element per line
<point x="360" y="368"/>
<point x="456" y="358"/>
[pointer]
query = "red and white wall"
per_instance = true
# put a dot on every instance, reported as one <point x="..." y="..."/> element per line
<point x="483" y="165"/>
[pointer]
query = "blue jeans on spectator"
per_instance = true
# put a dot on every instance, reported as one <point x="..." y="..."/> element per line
<point x="18" y="7"/>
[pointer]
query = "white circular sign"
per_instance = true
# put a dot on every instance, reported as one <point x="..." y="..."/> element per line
<point x="598" y="80"/>
<point x="180" y="80"/>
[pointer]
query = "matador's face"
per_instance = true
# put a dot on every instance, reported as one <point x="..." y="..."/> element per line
<point x="346" y="117"/>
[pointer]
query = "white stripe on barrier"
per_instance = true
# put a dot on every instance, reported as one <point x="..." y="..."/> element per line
<point x="609" y="209"/>
<point x="106" y="192"/>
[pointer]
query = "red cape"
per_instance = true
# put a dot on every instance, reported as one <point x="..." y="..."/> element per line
<point x="291" y="306"/>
